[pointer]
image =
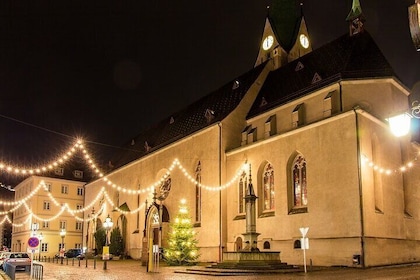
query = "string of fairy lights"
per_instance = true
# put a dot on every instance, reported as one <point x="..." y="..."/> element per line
<point x="104" y="195"/>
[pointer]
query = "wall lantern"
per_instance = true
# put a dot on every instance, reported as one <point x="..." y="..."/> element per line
<point x="400" y="124"/>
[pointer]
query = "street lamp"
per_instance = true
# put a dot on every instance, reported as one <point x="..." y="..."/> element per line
<point x="400" y="124"/>
<point x="105" y="254"/>
<point x="62" y="234"/>
<point x="40" y="237"/>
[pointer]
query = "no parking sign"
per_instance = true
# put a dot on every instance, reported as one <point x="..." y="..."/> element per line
<point x="33" y="242"/>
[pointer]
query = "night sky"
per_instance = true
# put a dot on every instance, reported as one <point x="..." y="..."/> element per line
<point x="105" y="70"/>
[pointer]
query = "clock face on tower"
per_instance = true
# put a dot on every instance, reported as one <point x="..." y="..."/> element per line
<point x="304" y="41"/>
<point x="268" y="42"/>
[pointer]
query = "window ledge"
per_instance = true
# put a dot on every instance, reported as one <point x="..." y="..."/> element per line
<point x="239" y="217"/>
<point x="301" y="210"/>
<point x="267" y="214"/>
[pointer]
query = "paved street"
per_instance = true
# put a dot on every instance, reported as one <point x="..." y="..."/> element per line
<point x="130" y="269"/>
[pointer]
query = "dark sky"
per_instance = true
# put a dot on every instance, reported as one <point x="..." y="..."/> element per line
<point x="105" y="70"/>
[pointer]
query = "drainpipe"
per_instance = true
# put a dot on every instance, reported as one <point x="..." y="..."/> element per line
<point x="359" y="169"/>
<point x="220" y="194"/>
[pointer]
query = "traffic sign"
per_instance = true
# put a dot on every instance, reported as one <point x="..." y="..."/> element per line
<point x="33" y="242"/>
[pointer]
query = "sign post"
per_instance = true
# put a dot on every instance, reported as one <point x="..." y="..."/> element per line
<point x="33" y="243"/>
<point x="304" y="244"/>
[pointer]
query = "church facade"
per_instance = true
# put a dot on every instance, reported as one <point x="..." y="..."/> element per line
<point x="307" y="128"/>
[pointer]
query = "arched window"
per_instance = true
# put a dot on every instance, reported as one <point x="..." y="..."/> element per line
<point x="268" y="188"/>
<point x="300" y="197"/>
<point x="267" y="245"/>
<point x="241" y="193"/>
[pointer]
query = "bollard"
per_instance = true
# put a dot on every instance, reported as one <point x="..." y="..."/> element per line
<point x="79" y="262"/>
<point x="94" y="263"/>
<point x="86" y="262"/>
<point x="72" y="262"/>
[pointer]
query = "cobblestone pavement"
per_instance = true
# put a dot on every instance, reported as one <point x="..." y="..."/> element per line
<point x="130" y="269"/>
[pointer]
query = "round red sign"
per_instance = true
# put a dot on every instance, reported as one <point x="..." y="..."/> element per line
<point x="33" y="242"/>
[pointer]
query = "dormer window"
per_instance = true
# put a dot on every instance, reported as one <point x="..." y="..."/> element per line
<point x="59" y="171"/>
<point x="331" y="104"/>
<point x="244" y="140"/>
<point x="270" y="126"/>
<point x="298" y="116"/>
<point x="252" y="135"/>
<point x="78" y="174"/>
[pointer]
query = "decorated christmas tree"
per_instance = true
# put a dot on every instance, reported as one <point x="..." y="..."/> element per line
<point x="182" y="240"/>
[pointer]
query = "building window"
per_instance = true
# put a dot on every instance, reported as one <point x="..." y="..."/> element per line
<point x="78" y="245"/>
<point x="78" y="174"/>
<point x="244" y="134"/>
<point x="266" y="245"/>
<point x="47" y="187"/>
<point x="59" y="171"/>
<point x="298" y="198"/>
<point x="79" y="190"/>
<point x="45" y="224"/>
<point x="44" y="247"/>
<point x="79" y="206"/>
<point x="268" y="188"/>
<point x="198" y="194"/>
<point x="63" y="224"/>
<point x="61" y="246"/>
<point x="241" y="193"/>
<point x="79" y="225"/>
<point x="298" y="116"/>
<point x="252" y="135"/>
<point x="270" y="126"/>
<point x="64" y="189"/>
<point x="46" y="205"/>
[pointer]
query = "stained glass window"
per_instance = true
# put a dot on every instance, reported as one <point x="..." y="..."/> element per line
<point x="268" y="188"/>
<point x="241" y="193"/>
<point x="299" y="182"/>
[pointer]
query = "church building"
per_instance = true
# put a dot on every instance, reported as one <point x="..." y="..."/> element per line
<point x="308" y="128"/>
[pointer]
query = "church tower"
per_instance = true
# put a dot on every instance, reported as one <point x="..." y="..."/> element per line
<point x="285" y="36"/>
<point x="356" y="18"/>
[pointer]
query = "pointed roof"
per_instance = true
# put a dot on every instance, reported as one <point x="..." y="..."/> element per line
<point x="355" y="12"/>
<point x="348" y="57"/>
<point x="210" y="109"/>
<point x="285" y="21"/>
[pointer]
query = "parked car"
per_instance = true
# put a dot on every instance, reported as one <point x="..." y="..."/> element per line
<point x="3" y="256"/>
<point x="20" y="259"/>
<point x="72" y="253"/>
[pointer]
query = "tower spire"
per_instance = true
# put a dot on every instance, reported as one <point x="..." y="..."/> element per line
<point x="356" y="18"/>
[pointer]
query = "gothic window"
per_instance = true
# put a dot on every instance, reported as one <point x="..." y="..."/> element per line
<point x="198" y="194"/>
<point x="268" y="188"/>
<point x="241" y="193"/>
<point x="299" y="185"/>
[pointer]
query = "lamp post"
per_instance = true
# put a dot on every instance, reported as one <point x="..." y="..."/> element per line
<point x="62" y="234"/>
<point x="40" y="237"/>
<point x="105" y="254"/>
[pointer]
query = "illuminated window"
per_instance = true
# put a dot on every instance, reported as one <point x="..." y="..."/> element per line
<point x="268" y="188"/>
<point x="241" y="193"/>
<point x="298" y="197"/>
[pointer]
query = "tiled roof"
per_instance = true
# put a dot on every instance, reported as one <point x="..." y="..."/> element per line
<point x="206" y="111"/>
<point x="356" y="57"/>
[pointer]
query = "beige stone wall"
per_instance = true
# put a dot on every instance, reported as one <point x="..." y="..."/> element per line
<point x="203" y="147"/>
